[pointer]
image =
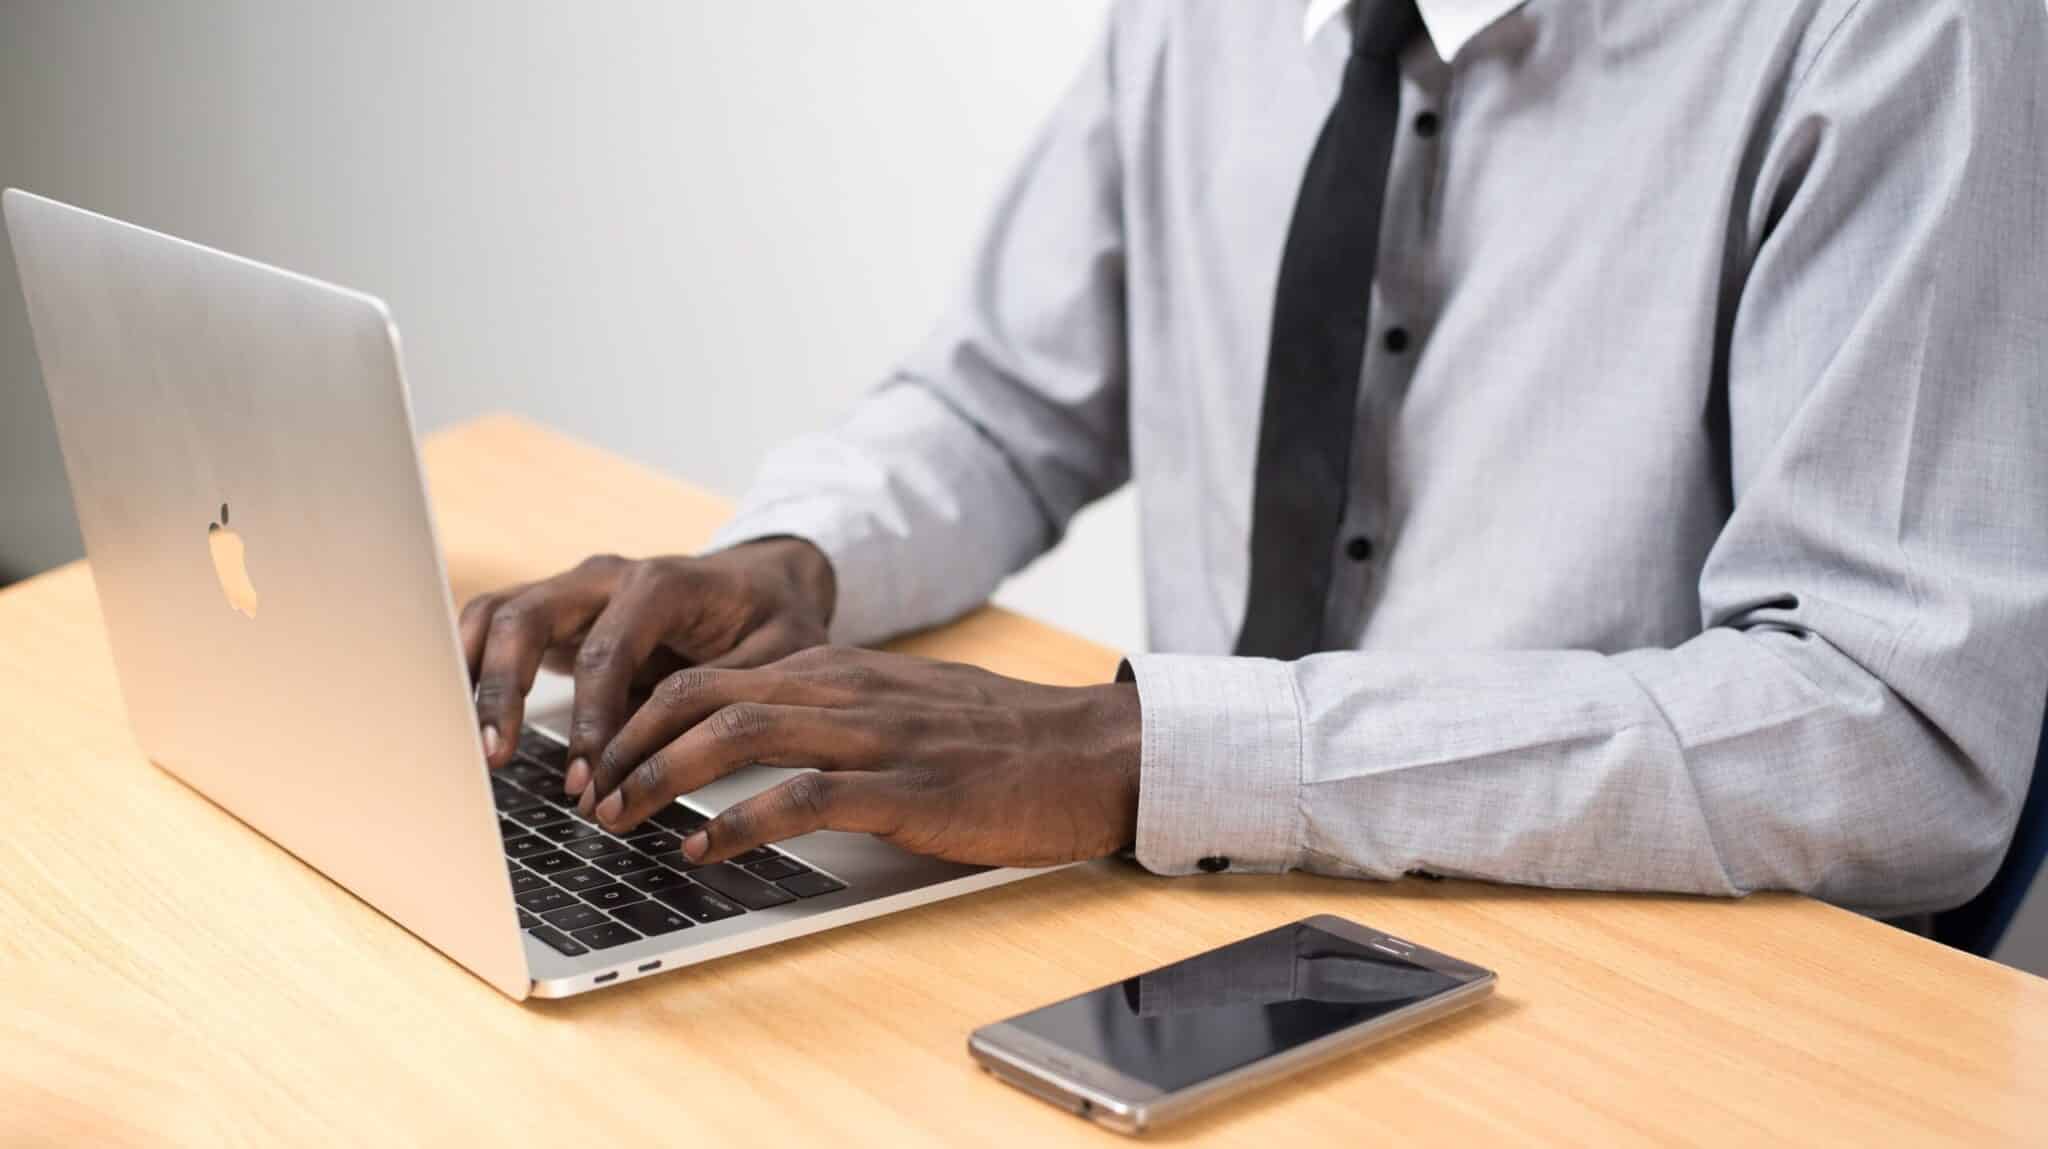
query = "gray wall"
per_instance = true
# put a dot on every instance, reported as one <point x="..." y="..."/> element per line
<point x="680" y="229"/>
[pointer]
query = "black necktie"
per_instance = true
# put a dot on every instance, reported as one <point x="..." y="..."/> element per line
<point x="1320" y="318"/>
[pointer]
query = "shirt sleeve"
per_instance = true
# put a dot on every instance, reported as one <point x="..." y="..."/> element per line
<point x="970" y="460"/>
<point x="1858" y="718"/>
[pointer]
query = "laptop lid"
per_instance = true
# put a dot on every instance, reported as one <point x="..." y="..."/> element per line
<point x="241" y="454"/>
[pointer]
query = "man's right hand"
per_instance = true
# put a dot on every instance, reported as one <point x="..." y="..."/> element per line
<point x="621" y="625"/>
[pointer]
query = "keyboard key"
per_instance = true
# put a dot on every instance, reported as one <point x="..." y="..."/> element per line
<point x="581" y="878"/>
<point x="543" y="749"/>
<point x="757" y="854"/>
<point x="526" y="920"/>
<point x="612" y="896"/>
<point x="562" y="942"/>
<point x="549" y="759"/>
<point x="570" y="831"/>
<point x="552" y="863"/>
<point x="701" y="904"/>
<point x="541" y="901"/>
<point x="509" y="797"/>
<point x="654" y="841"/>
<point x="651" y="919"/>
<point x="512" y="801"/>
<point x="538" y="816"/>
<point x="676" y="861"/>
<point x="606" y="936"/>
<point x="550" y="790"/>
<point x="624" y="863"/>
<point x="532" y="776"/>
<point x="680" y="819"/>
<point x="573" y="917"/>
<point x="596" y="847"/>
<point x="811" y="885"/>
<point x="521" y="847"/>
<point x="775" y="869"/>
<point x="741" y="886"/>
<point x="524" y="882"/>
<point x="658" y="878"/>
<point x="509" y="829"/>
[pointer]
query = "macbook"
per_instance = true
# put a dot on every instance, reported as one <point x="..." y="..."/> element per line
<point x="241" y="453"/>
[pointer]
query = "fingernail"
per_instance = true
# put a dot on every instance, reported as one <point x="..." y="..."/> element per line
<point x="610" y="807"/>
<point x="577" y="778"/>
<point x="695" y="845"/>
<point x="490" y="742"/>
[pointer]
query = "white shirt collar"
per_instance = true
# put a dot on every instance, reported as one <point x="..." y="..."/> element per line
<point x="1451" y="23"/>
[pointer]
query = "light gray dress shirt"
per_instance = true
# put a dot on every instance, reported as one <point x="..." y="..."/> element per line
<point x="1703" y="513"/>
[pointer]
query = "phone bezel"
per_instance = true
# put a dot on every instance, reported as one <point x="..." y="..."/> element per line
<point x="1097" y="1090"/>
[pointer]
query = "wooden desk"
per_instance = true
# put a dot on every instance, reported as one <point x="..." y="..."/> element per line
<point x="167" y="976"/>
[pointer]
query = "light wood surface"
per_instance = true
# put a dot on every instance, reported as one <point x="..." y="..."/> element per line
<point x="166" y="976"/>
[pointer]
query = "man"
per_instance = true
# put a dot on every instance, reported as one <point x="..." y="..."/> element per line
<point x="1594" y="444"/>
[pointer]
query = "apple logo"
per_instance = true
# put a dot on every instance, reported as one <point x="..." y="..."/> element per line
<point x="230" y="564"/>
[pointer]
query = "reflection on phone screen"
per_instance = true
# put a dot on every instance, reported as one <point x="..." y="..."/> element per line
<point x="1227" y="1008"/>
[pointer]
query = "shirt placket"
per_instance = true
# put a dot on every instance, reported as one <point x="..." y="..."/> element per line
<point x="1400" y="328"/>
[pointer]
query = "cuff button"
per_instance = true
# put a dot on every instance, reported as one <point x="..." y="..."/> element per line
<point x="1213" y="864"/>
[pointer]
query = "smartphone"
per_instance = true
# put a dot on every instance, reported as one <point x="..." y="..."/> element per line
<point x="1154" y="1047"/>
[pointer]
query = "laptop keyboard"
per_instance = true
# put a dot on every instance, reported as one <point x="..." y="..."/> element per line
<point x="580" y="888"/>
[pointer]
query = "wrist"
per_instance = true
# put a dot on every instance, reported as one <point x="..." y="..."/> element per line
<point x="1118" y="733"/>
<point x="804" y="568"/>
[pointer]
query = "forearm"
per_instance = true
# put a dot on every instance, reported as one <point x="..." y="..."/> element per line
<point x="1739" y="762"/>
<point x="918" y="518"/>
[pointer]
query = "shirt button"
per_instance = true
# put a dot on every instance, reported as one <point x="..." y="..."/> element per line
<point x="1396" y="339"/>
<point x="1359" y="548"/>
<point x="1427" y="124"/>
<point x="1213" y="864"/>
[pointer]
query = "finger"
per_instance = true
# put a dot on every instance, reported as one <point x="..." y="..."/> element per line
<point x="735" y="736"/>
<point x="774" y="641"/>
<point x="681" y="701"/>
<point x="561" y="659"/>
<point x="474" y="621"/>
<point x="518" y="634"/>
<point x="626" y="632"/>
<point x="659" y="665"/>
<point x="858" y="802"/>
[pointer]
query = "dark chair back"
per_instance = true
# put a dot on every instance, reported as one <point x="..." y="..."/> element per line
<point x="1977" y="924"/>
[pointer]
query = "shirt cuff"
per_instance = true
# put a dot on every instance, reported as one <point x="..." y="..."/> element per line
<point x="1219" y="784"/>
<point x="861" y="613"/>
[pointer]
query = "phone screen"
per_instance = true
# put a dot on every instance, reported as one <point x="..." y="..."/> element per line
<point x="1218" y="1011"/>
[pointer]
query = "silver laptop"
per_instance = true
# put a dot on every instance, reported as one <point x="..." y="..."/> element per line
<point x="241" y="453"/>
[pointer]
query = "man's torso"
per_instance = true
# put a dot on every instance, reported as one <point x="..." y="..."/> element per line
<point x="1571" y="208"/>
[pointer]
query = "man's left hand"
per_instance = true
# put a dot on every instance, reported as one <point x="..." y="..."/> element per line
<point x="937" y="757"/>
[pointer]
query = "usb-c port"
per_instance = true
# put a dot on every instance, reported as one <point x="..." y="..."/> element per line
<point x="650" y="967"/>
<point x="602" y="978"/>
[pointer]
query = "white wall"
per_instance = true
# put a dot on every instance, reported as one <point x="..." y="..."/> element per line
<point x="680" y="229"/>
